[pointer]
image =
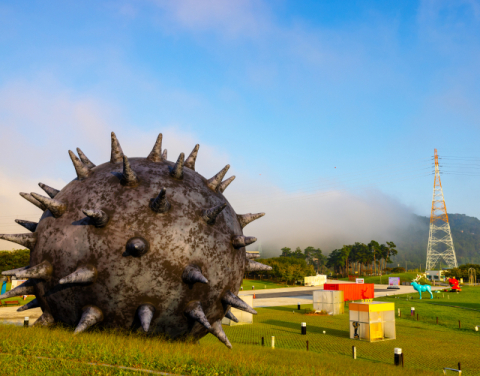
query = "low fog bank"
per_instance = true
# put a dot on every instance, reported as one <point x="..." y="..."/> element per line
<point x="326" y="220"/>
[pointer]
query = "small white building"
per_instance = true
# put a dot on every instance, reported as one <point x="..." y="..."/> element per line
<point x="316" y="280"/>
<point x="253" y="254"/>
<point x="435" y="275"/>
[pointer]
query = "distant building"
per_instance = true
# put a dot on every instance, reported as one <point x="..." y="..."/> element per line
<point x="435" y="275"/>
<point x="253" y="254"/>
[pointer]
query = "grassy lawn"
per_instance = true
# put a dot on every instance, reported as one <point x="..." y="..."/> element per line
<point x="210" y="357"/>
<point x="448" y="307"/>
<point x="20" y="300"/>
<point x="427" y="347"/>
<point x="261" y="285"/>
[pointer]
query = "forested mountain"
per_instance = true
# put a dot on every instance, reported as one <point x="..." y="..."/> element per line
<point x="412" y="241"/>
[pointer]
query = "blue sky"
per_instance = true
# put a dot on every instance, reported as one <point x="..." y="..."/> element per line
<point x="304" y="99"/>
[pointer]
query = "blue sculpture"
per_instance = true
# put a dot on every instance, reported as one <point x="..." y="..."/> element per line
<point x="422" y="288"/>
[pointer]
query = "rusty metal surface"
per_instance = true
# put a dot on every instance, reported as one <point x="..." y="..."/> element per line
<point x="176" y="239"/>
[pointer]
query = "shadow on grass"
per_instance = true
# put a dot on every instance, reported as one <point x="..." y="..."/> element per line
<point x="310" y="328"/>
<point x="287" y="308"/>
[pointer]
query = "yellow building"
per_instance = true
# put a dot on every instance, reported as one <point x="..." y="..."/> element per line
<point x="372" y="321"/>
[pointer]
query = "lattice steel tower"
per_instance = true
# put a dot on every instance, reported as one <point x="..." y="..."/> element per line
<point x="440" y="243"/>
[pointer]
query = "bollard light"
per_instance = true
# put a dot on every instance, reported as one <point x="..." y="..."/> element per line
<point x="25" y="322"/>
<point x="324" y="332"/>
<point x="476" y="328"/>
<point x="412" y="311"/>
<point x="298" y="306"/>
<point x="397" y="355"/>
<point x="304" y="328"/>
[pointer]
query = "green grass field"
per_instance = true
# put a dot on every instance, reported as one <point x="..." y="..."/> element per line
<point x="428" y="347"/>
<point x="261" y="285"/>
<point x="68" y="354"/>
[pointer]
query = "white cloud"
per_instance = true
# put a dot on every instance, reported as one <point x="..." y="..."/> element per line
<point x="324" y="219"/>
<point x="42" y="123"/>
<point x="231" y="18"/>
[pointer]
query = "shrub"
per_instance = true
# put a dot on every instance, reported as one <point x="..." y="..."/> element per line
<point x="14" y="259"/>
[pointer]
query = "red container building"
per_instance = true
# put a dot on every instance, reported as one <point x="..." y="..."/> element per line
<point x="352" y="291"/>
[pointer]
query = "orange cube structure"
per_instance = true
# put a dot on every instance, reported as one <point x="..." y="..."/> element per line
<point x="352" y="291"/>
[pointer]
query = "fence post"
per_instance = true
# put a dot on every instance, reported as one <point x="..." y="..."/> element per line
<point x="273" y="342"/>
<point x="263" y="341"/>
<point x="354" y="352"/>
<point x="417" y="316"/>
<point x="307" y="345"/>
<point x="397" y="356"/>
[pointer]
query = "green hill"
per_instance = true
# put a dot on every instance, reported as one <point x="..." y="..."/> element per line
<point x="412" y="241"/>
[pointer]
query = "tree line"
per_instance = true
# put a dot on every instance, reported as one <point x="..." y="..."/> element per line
<point x="285" y="269"/>
<point x="14" y="259"/>
<point x="462" y="272"/>
<point x="359" y="258"/>
<point x="312" y="256"/>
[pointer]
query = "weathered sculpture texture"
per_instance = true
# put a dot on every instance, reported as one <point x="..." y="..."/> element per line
<point x="137" y="243"/>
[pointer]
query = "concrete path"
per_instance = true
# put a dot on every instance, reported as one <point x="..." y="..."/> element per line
<point x="10" y="313"/>
<point x="304" y="295"/>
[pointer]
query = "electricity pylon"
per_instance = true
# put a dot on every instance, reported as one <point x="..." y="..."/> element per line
<point x="440" y="243"/>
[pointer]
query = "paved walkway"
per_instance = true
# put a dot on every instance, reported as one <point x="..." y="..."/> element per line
<point x="264" y="298"/>
<point x="10" y="313"/>
<point x="304" y="295"/>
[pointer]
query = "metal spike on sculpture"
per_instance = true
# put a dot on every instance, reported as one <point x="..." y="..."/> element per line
<point x="87" y="162"/>
<point x="440" y="242"/>
<point x="229" y="315"/>
<point x="145" y="315"/>
<point x="30" y="305"/>
<point x="52" y="192"/>
<point x="190" y="162"/>
<point x="98" y="217"/>
<point x="156" y="153"/>
<point x="30" y="226"/>
<point x="31" y="199"/>
<point x="156" y="226"/>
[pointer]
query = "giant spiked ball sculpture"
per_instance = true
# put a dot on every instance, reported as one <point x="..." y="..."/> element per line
<point x="140" y="243"/>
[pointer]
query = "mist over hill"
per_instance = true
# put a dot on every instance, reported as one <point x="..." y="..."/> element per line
<point x="412" y="241"/>
<point x="410" y="235"/>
